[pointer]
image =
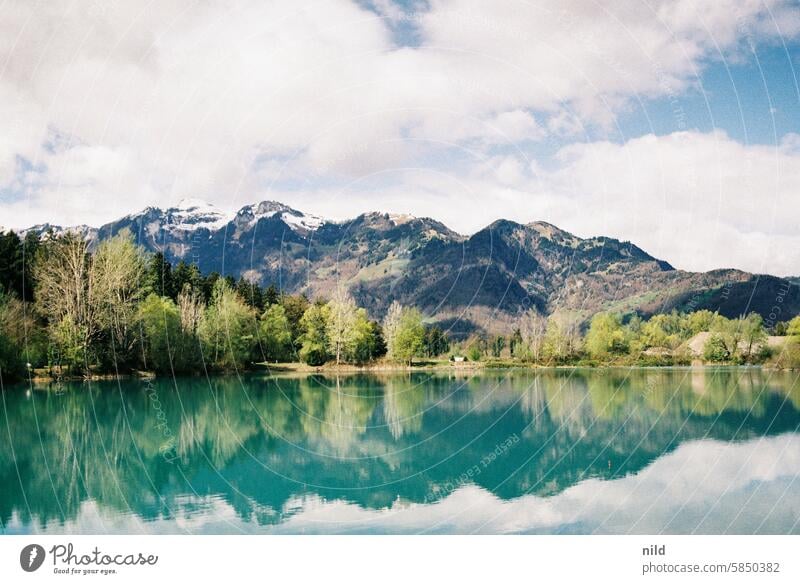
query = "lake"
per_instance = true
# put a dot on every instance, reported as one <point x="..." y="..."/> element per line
<point x="518" y="451"/>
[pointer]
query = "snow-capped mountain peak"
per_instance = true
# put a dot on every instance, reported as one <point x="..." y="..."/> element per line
<point x="192" y="214"/>
<point x="296" y="220"/>
<point x="45" y="229"/>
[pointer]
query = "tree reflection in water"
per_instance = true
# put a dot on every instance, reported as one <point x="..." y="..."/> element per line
<point x="261" y="444"/>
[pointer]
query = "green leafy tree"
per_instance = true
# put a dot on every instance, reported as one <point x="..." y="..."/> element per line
<point x="753" y="334"/>
<point x="391" y="322"/>
<point x="160" y="323"/>
<point x="793" y="327"/>
<point x="697" y="322"/>
<point x="533" y="330"/>
<point x="341" y="333"/>
<point x="65" y="300"/>
<point x="653" y="333"/>
<point x="474" y="353"/>
<point x="314" y="340"/>
<point x="227" y="328"/>
<point x="515" y="344"/>
<point x="789" y="355"/>
<point x="22" y="341"/>
<point x="409" y="336"/>
<point x="715" y="349"/>
<point x="295" y="307"/>
<point x="116" y="275"/>
<point x="276" y="336"/>
<point x="208" y="284"/>
<point x="562" y="336"/>
<point x="730" y="332"/>
<point x="606" y="336"/>
<point x="497" y="344"/>
<point x="368" y="342"/>
<point x="69" y="348"/>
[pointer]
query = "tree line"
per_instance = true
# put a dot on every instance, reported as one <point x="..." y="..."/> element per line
<point x="117" y="309"/>
<point x="564" y="338"/>
<point x="74" y="311"/>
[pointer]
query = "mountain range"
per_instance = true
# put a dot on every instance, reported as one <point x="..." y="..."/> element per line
<point x="483" y="281"/>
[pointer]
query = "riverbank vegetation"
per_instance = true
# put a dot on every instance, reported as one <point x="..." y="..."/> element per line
<point x="70" y="311"/>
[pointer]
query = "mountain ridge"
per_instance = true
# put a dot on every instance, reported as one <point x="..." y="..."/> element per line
<point x="480" y="281"/>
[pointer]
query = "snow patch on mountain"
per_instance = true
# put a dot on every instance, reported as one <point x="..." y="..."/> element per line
<point x="45" y="229"/>
<point x="193" y="214"/>
<point x="300" y="221"/>
<point x="297" y="221"/>
<point x="400" y="218"/>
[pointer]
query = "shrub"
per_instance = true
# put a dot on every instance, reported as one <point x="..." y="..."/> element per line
<point x="715" y="349"/>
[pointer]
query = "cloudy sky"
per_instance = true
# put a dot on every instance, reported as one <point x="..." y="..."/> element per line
<point x="671" y="123"/>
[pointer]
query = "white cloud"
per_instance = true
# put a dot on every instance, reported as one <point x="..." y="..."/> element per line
<point x="707" y="486"/>
<point x="152" y="103"/>
<point x="704" y="486"/>
<point x="698" y="200"/>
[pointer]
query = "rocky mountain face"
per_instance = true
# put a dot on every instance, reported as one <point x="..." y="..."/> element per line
<point x="483" y="281"/>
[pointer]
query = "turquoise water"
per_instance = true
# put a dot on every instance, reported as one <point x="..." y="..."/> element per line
<point x="559" y="451"/>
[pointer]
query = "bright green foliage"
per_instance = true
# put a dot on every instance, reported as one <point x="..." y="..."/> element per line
<point x="606" y="336"/>
<point x="561" y="338"/>
<point x="516" y="344"/>
<point x="715" y="349"/>
<point x="167" y="347"/>
<point x="662" y="330"/>
<point x="697" y="322"/>
<point x="314" y="340"/>
<point x="276" y="337"/>
<point x="20" y="340"/>
<point x="474" y="352"/>
<point x="409" y="336"/>
<point x="295" y="307"/>
<point x="729" y="333"/>
<point x="342" y="325"/>
<point x="68" y="349"/>
<point x="368" y="341"/>
<point x="117" y="270"/>
<point x="793" y="327"/>
<point x="161" y="324"/>
<point x="227" y="329"/>
<point x="753" y="334"/>
<point x="391" y="322"/>
<point x="789" y="355"/>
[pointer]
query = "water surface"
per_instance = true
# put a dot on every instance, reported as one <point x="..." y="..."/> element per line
<point x="557" y="451"/>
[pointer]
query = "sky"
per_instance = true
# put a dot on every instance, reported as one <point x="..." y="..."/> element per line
<point x="674" y="124"/>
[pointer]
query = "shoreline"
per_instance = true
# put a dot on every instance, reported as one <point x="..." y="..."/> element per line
<point x="292" y="369"/>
